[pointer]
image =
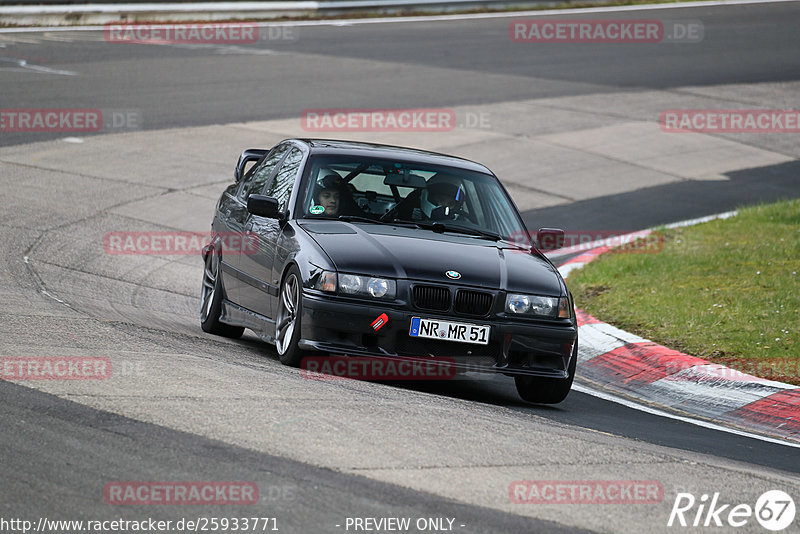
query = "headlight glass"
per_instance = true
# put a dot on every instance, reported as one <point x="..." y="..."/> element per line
<point x="537" y="306"/>
<point x="378" y="287"/>
<point x="350" y="284"/>
<point x="518" y="304"/>
<point x="367" y="286"/>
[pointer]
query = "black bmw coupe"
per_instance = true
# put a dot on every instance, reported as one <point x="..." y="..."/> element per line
<point x="337" y="248"/>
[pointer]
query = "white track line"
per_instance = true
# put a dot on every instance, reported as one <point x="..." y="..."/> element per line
<point x="459" y="17"/>
<point x="697" y="422"/>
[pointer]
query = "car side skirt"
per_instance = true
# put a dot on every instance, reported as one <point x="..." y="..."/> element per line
<point x="235" y="315"/>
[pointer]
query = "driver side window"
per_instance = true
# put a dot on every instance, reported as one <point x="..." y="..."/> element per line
<point x="281" y="186"/>
<point x="256" y="181"/>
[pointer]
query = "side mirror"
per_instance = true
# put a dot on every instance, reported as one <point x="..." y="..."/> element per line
<point x="549" y="238"/>
<point x="264" y="206"/>
<point x="251" y="154"/>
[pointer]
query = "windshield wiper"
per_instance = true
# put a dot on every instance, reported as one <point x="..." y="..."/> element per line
<point x="358" y="218"/>
<point x="349" y="218"/>
<point x="440" y="227"/>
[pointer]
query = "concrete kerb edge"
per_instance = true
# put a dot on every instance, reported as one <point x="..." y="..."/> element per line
<point x="636" y="368"/>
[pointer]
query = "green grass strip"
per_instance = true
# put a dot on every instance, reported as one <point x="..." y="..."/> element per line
<point x="727" y="291"/>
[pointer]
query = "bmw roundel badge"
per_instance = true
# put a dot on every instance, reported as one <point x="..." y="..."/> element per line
<point x="453" y="275"/>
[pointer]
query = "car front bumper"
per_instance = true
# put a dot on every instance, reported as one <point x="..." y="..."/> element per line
<point x="516" y="346"/>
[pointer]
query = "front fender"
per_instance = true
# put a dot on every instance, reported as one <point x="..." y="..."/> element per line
<point x="298" y="248"/>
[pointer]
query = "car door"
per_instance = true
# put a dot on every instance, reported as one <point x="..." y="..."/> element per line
<point x="258" y="268"/>
<point x="223" y="227"/>
<point x="237" y="285"/>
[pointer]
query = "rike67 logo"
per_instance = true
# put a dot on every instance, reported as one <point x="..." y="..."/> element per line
<point x="774" y="510"/>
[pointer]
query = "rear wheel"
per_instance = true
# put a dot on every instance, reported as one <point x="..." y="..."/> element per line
<point x="290" y="311"/>
<point x="211" y="301"/>
<point x="547" y="390"/>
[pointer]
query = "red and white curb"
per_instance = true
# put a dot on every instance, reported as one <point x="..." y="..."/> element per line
<point x="638" y="368"/>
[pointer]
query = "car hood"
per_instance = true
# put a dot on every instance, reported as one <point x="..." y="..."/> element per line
<point x="416" y="254"/>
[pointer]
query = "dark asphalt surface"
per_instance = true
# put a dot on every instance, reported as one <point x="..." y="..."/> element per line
<point x="58" y="454"/>
<point x="586" y="411"/>
<point x="64" y="453"/>
<point x="678" y="201"/>
<point x="422" y="64"/>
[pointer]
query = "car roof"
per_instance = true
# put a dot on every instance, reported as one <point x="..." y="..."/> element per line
<point x="375" y="150"/>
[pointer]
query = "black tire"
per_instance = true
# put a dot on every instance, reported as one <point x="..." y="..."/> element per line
<point x="211" y="301"/>
<point x="287" y="321"/>
<point x="547" y="390"/>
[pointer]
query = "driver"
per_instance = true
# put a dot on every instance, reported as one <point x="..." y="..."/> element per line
<point x="328" y="193"/>
<point x="441" y="201"/>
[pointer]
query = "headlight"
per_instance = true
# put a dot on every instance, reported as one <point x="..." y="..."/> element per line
<point x="537" y="306"/>
<point x="350" y="284"/>
<point x="367" y="286"/>
<point x="378" y="287"/>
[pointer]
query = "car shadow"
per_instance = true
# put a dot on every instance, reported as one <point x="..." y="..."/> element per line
<point x="485" y="388"/>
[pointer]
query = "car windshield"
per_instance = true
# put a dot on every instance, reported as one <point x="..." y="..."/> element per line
<point x="433" y="197"/>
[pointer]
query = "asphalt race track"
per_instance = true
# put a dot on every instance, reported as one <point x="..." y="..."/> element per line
<point x="571" y="129"/>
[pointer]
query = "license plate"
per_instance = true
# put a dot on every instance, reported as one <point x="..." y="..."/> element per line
<point x="449" y="331"/>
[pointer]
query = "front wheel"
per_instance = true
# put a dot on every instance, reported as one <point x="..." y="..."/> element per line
<point x="290" y="311"/>
<point x="547" y="390"/>
<point x="211" y="301"/>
